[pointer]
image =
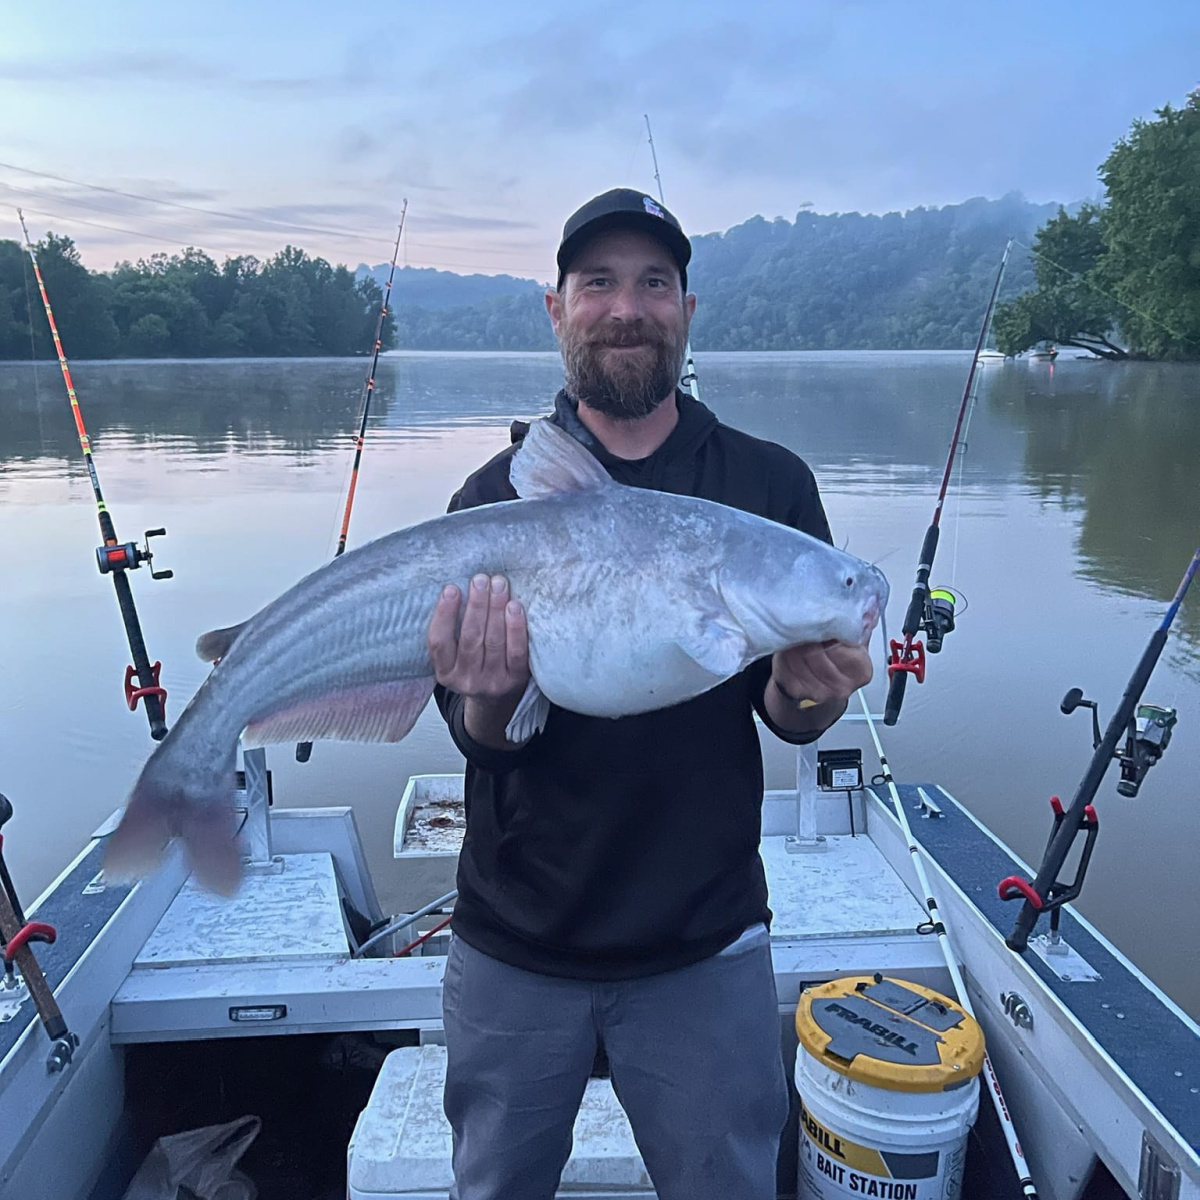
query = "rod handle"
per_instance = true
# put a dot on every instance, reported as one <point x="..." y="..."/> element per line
<point x="1018" y="940"/>
<point x="895" y="697"/>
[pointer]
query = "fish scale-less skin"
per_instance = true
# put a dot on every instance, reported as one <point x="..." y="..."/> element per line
<point x="635" y="600"/>
<point x="588" y="608"/>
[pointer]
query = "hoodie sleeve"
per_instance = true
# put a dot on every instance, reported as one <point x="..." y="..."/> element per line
<point x="488" y="485"/>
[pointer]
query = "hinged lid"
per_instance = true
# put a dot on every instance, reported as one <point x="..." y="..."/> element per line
<point x="891" y="1034"/>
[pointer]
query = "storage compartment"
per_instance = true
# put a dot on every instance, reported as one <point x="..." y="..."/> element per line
<point x="402" y="1143"/>
<point x="430" y="825"/>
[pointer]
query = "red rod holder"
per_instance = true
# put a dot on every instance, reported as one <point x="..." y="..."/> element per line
<point x="31" y="931"/>
<point x="1015" y="886"/>
<point x="914" y="663"/>
<point x="134" y="694"/>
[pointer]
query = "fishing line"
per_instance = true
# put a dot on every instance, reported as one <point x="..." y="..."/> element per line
<point x="936" y="925"/>
<point x="1142" y="748"/>
<point x="1109" y="296"/>
<point x="931" y="611"/>
<point x="208" y="212"/>
<point x="141" y="233"/>
<point x="304" y="749"/>
<point x="113" y="557"/>
<point x="689" y="380"/>
<point x="632" y="155"/>
<point x="441" y="262"/>
<point x="37" y="395"/>
<point x="962" y="466"/>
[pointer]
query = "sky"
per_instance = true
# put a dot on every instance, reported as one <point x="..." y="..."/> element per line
<point x="242" y="125"/>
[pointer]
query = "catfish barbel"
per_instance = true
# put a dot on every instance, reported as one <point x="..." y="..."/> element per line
<point x="635" y="600"/>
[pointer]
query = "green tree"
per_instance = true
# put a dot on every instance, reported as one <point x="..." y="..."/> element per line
<point x="148" y="337"/>
<point x="1152" y="231"/>
<point x="80" y="301"/>
<point x="1071" y="304"/>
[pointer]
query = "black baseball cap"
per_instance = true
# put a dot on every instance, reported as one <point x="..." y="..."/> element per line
<point x="624" y="208"/>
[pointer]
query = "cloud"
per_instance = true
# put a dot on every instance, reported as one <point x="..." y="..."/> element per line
<point x="173" y="70"/>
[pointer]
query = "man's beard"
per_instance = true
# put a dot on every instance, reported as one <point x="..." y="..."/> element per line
<point x="623" y="387"/>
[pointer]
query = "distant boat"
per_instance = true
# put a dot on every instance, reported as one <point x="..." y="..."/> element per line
<point x="1044" y="352"/>
<point x="986" y="356"/>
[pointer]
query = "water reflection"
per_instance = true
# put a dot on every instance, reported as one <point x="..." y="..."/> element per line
<point x="296" y="405"/>
<point x="1071" y="518"/>
<point x="1120" y="445"/>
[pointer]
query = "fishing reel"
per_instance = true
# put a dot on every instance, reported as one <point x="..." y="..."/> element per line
<point x="1146" y="738"/>
<point x="931" y="612"/>
<point x="939" y="616"/>
<point x="128" y="556"/>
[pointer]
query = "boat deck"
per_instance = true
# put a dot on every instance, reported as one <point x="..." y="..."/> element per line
<point x="838" y="910"/>
<point x="1144" y="1033"/>
<point x="78" y="909"/>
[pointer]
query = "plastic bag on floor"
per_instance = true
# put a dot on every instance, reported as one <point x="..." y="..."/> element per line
<point x="199" y="1164"/>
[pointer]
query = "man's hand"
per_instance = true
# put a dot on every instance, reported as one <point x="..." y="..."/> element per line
<point x="811" y="684"/>
<point x="487" y="663"/>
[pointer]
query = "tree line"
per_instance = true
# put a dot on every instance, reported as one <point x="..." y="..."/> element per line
<point x="1122" y="278"/>
<point x="917" y="280"/>
<point x="186" y="306"/>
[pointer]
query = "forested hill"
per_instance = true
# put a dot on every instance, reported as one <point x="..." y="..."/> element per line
<point x="425" y="287"/>
<point x="913" y="281"/>
<point x="917" y="280"/>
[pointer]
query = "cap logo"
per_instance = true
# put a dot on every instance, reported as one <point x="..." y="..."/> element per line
<point x="653" y="208"/>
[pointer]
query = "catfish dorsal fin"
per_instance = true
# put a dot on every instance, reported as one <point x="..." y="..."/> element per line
<point x="214" y="645"/>
<point x="550" y="462"/>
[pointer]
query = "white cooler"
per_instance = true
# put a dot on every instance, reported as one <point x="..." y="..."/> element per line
<point x="401" y="1144"/>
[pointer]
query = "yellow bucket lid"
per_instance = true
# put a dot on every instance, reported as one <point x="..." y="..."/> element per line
<point x="890" y="1033"/>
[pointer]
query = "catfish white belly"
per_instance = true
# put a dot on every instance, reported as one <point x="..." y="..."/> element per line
<point x="635" y="600"/>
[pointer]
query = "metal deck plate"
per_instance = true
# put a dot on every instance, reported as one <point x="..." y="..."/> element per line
<point x="1149" y="1042"/>
<point x="848" y="891"/>
<point x="294" y="913"/>
<point x="78" y="914"/>
<point x="1063" y="960"/>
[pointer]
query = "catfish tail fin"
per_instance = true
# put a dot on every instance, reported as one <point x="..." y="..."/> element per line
<point x="173" y="798"/>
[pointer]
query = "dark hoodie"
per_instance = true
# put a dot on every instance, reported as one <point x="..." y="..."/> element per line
<point x="609" y="849"/>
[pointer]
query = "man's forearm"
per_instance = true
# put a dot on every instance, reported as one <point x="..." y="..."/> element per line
<point x="797" y="717"/>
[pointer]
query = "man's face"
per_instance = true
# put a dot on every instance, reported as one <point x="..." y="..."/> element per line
<point x="622" y="320"/>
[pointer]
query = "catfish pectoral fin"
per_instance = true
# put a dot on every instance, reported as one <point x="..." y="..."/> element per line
<point x="377" y="712"/>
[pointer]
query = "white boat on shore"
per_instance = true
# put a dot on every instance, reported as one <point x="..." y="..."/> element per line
<point x="193" y="1012"/>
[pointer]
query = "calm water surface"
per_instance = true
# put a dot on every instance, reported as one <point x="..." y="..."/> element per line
<point x="1073" y="517"/>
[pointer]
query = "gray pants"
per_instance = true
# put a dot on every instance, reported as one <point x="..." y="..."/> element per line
<point x="695" y="1060"/>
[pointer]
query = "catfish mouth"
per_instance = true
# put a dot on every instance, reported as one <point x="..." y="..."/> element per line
<point x="870" y="619"/>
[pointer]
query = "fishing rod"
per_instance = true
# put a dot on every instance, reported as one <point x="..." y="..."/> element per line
<point x="931" y="611"/>
<point x="689" y="380"/>
<point x="1146" y="729"/>
<point x="115" y="558"/>
<point x="16" y="936"/>
<point x="304" y="749"/>
<point x="936" y="925"/>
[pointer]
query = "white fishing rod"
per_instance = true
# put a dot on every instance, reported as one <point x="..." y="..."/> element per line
<point x="935" y="922"/>
<point x="689" y="379"/>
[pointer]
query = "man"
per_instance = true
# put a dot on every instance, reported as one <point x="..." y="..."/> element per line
<point x="611" y="894"/>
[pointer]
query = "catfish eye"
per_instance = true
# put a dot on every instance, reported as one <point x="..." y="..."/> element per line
<point x="850" y="581"/>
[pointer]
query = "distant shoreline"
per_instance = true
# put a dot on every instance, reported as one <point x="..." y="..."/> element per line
<point x="701" y="355"/>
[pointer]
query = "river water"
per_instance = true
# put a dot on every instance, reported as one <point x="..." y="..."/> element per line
<point x="1072" y="518"/>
